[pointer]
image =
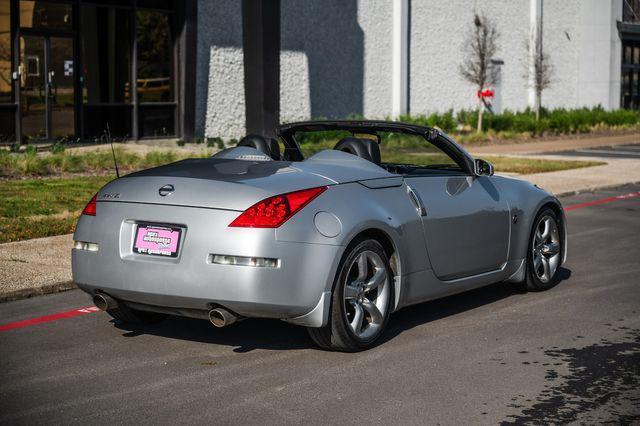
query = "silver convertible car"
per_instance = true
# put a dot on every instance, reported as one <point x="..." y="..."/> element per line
<point x="334" y="242"/>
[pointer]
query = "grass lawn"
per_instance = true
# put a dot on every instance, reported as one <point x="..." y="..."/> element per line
<point x="33" y="208"/>
<point x="501" y="164"/>
<point x="93" y="162"/>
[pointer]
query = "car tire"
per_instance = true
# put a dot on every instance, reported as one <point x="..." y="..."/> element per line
<point x="361" y="300"/>
<point x="544" y="252"/>
<point x="126" y="315"/>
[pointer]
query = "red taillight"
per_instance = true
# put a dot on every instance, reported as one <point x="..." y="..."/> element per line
<point x="90" y="208"/>
<point x="274" y="211"/>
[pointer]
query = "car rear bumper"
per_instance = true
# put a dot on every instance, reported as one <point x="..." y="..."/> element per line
<point x="192" y="281"/>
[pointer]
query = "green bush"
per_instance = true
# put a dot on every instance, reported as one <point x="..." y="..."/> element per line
<point x="57" y="148"/>
<point x="508" y="124"/>
<point x="216" y="142"/>
<point x="31" y="149"/>
<point x="557" y="121"/>
<point x="446" y="122"/>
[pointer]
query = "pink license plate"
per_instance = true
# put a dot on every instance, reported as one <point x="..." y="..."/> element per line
<point x="157" y="240"/>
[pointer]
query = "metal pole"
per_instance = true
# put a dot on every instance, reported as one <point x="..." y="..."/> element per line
<point x="261" y="49"/>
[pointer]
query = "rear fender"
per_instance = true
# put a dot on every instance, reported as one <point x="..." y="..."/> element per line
<point x="356" y="209"/>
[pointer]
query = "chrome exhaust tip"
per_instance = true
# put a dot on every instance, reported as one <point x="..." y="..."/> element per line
<point x="104" y="302"/>
<point x="220" y="317"/>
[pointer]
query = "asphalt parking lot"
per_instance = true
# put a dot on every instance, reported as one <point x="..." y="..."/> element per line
<point x="488" y="356"/>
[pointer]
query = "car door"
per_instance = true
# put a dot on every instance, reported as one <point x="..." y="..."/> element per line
<point x="466" y="220"/>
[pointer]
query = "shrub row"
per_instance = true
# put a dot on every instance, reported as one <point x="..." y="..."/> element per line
<point x="556" y="121"/>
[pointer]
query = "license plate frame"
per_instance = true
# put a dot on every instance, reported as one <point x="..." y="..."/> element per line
<point x="146" y="246"/>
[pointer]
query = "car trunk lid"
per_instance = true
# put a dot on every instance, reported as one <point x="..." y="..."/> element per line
<point x="210" y="183"/>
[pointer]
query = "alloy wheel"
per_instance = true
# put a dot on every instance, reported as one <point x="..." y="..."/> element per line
<point x="546" y="248"/>
<point x="366" y="294"/>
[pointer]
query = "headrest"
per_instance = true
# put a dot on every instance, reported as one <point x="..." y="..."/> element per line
<point x="363" y="148"/>
<point x="269" y="147"/>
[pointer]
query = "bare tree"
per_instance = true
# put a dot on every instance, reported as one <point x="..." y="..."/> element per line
<point x="480" y="46"/>
<point x="540" y="69"/>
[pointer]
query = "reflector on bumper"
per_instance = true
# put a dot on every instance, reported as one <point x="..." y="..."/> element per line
<point x="262" y="262"/>
<point x="82" y="245"/>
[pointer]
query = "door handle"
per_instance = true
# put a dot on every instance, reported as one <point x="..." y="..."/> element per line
<point x="417" y="201"/>
<point x="50" y="85"/>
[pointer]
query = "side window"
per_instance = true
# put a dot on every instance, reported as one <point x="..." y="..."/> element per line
<point x="414" y="155"/>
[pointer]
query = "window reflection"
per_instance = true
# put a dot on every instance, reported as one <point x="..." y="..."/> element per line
<point x="155" y="56"/>
<point x="106" y="51"/>
<point x="5" y="52"/>
<point x="41" y="14"/>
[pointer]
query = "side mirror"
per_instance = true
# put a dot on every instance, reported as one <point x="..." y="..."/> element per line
<point x="482" y="167"/>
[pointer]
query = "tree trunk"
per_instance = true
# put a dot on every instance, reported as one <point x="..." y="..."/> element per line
<point x="480" y="112"/>
<point x="536" y="106"/>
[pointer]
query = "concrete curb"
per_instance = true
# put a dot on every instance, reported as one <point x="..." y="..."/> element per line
<point x="591" y="190"/>
<point x="27" y="293"/>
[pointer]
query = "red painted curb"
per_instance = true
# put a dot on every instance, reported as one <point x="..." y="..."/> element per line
<point x="48" y="318"/>
<point x="601" y="201"/>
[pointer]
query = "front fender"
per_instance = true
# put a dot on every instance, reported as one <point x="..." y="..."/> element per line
<point x="526" y="200"/>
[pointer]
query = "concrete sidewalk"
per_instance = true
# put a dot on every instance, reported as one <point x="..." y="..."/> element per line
<point x="555" y="145"/>
<point x="34" y="267"/>
<point x="617" y="172"/>
<point x="39" y="266"/>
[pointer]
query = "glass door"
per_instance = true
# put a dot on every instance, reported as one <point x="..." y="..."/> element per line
<point x="61" y="88"/>
<point x="33" y="91"/>
<point x="47" y="87"/>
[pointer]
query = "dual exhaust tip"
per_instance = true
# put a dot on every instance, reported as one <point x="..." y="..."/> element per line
<point x="219" y="317"/>
<point x="104" y="302"/>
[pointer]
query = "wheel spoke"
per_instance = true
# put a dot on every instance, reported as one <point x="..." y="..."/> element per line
<point x="547" y="269"/>
<point x="356" y="323"/>
<point x="350" y="292"/>
<point x="376" y="280"/>
<point x="363" y="267"/>
<point x="537" y="262"/>
<point x="551" y="249"/>
<point x="547" y="228"/>
<point x="538" y="237"/>
<point x="372" y="309"/>
<point x="553" y="265"/>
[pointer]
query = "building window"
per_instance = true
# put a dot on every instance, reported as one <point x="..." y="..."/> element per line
<point x="155" y="69"/>
<point x="107" y="46"/>
<point x="72" y="68"/>
<point x="155" y="56"/>
<point x="7" y="108"/>
<point x="106" y="52"/>
<point x="6" y="93"/>
<point x="631" y="74"/>
<point x="631" y="11"/>
<point x="46" y="15"/>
